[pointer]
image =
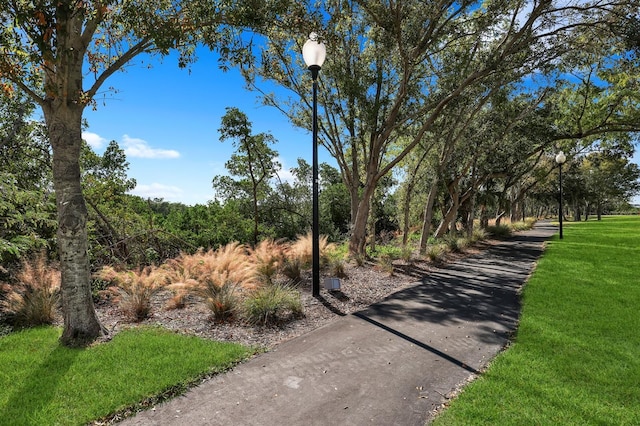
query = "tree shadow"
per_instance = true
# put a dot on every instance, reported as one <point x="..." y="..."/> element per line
<point x="31" y="400"/>
<point x="483" y="289"/>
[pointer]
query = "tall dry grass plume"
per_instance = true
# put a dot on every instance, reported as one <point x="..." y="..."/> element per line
<point x="268" y="258"/>
<point x="33" y="299"/>
<point x="302" y="248"/>
<point x="134" y="289"/>
<point x="217" y="276"/>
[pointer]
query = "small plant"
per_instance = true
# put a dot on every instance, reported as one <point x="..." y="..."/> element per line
<point x="32" y="300"/>
<point x="385" y="263"/>
<point x="268" y="257"/>
<point x="302" y="248"/>
<point x="272" y="303"/>
<point x="337" y="264"/>
<point x="479" y="234"/>
<point x="499" y="231"/>
<point x="221" y="299"/>
<point x="359" y="259"/>
<point x="215" y="276"/>
<point x="134" y="289"/>
<point x="435" y="252"/>
<point x="292" y="269"/>
<point x="406" y="254"/>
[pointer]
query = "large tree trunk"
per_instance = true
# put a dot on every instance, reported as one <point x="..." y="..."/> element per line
<point x="81" y="325"/>
<point x="358" y="240"/>
<point x="428" y="216"/>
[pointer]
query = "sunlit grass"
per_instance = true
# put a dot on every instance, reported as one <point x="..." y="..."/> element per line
<point x="576" y="357"/>
<point x="45" y="383"/>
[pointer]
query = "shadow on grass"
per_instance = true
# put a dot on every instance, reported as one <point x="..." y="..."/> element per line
<point x="31" y="399"/>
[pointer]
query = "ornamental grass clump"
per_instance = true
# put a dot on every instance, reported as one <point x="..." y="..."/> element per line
<point x="499" y="231"/>
<point x="436" y="252"/>
<point x="302" y="248"/>
<point x="271" y="304"/>
<point x="268" y="258"/>
<point x="218" y="277"/>
<point x="33" y="298"/>
<point x="134" y="289"/>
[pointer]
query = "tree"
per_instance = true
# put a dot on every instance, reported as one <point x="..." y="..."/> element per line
<point x="253" y="164"/>
<point x="394" y="67"/>
<point x="60" y="53"/>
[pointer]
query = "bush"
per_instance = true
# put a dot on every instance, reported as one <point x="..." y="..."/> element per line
<point x="268" y="257"/>
<point x="33" y="299"/>
<point x="337" y="264"/>
<point x="215" y="276"/>
<point x="435" y="252"/>
<point x="221" y="299"/>
<point x="479" y="234"/>
<point x="272" y="304"/>
<point x="134" y="289"/>
<point x="292" y="269"/>
<point x="499" y="231"/>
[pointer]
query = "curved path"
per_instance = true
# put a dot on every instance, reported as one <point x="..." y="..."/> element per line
<point x="390" y="364"/>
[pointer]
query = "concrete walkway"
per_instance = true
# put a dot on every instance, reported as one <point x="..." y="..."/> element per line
<point x="390" y="364"/>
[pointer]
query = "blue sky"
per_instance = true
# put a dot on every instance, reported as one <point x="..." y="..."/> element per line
<point x="167" y="120"/>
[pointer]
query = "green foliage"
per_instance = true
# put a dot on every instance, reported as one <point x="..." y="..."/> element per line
<point x="436" y="252"/>
<point x="336" y="264"/>
<point x="272" y="304"/>
<point x="220" y="298"/>
<point x="499" y="231"/>
<point x="45" y="383"/>
<point x="33" y="298"/>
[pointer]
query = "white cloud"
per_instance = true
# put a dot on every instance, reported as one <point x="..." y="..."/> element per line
<point x="285" y="174"/>
<point x="158" y="190"/>
<point x="134" y="147"/>
<point x="94" y="140"/>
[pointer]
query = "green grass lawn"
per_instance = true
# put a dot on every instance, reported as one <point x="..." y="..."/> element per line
<point x="44" y="383"/>
<point x="576" y="357"/>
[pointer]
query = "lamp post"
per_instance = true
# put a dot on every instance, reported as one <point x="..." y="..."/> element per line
<point x="560" y="159"/>
<point x="314" y="53"/>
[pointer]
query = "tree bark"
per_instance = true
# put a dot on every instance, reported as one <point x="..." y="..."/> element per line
<point x="428" y="216"/>
<point x="81" y="325"/>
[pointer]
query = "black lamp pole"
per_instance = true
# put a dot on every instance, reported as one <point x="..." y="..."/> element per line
<point x="315" y="257"/>
<point x="314" y="53"/>
<point x="560" y="211"/>
<point x="560" y="159"/>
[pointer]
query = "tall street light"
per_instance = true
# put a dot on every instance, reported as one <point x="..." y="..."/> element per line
<point x="314" y="53"/>
<point x="560" y="159"/>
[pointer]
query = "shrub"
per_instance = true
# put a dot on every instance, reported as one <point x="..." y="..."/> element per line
<point x="479" y="234"/>
<point x="215" y="276"/>
<point x="302" y="248"/>
<point x="435" y="252"/>
<point x="406" y="254"/>
<point x="499" y="231"/>
<point x="337" y="264"/>
<point x="292" y="269"/>
<point x="220" y="298"/>
<point x="268" y="257"/>
<point x="272" y="303"/>
<point x="385" y="263"/>
<point x="134" y="289"/>
<point x="32" y="300"/>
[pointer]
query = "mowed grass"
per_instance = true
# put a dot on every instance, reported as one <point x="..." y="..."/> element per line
<point x="44" y="383"/>
<point x="576" y="357"/>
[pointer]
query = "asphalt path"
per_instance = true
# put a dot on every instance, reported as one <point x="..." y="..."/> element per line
<point x="393" y="363"/>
